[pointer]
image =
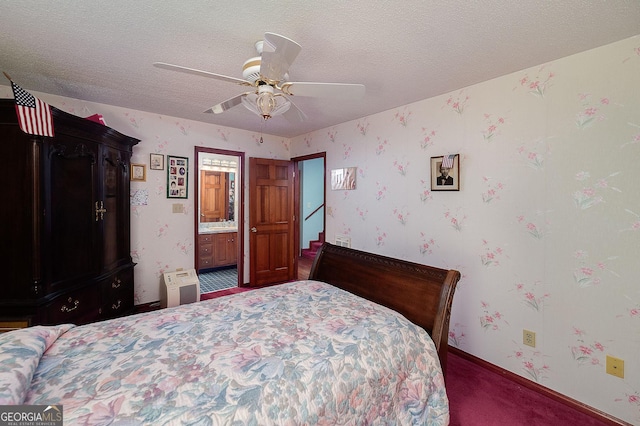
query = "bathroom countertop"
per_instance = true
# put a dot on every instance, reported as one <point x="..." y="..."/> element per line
<point x="216" y="230"/>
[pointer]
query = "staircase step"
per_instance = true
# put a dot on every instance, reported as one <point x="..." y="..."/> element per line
<point x="309" y="254"/>
<point x="315" y="245"/>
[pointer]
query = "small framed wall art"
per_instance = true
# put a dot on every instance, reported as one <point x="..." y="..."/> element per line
<point x="445" y="173"/>
<point x="156" y="162"/>
<point x="138" y="172"/>
<point x="177" y="176"/>
<point x="343" y="178"/>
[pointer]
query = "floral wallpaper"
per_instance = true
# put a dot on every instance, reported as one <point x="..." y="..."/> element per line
<point x="545" y="228"/>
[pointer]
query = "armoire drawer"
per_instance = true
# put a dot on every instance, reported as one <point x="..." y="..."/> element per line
<point x="77" y="307"/>
<point x="117" y="294"/>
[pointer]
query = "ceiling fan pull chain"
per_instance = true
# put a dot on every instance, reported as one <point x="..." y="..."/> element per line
<point x="261" y="129"/>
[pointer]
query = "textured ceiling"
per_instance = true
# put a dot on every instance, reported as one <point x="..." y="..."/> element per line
<point x="402" y="51"/>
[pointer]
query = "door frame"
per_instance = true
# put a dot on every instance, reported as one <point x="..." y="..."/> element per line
<point x="240" y="188"/>
<point x="298" y="196"/>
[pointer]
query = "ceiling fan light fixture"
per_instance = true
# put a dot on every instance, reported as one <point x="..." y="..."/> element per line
<point x="265" y="103"/>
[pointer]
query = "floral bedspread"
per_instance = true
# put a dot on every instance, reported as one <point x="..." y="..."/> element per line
<point x="303" y="353"/>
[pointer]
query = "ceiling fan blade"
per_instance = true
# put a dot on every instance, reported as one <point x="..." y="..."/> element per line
<point x="201" y="73"/>
<point x="228" y="104"/>
<point x="278" y="53"/>
<point x="324" y="90"/>
<point x="294" y="114"/>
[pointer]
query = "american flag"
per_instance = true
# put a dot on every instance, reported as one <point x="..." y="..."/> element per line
<point x="447" y="161"/>
<point x="34" y="115"/>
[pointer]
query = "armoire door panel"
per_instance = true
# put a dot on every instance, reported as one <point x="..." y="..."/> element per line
<point x="20" y="214"/>
<point x="116" y="246"/>
<point x="73" y="236"/>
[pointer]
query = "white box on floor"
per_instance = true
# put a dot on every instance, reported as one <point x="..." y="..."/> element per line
<point x="179" y="288"/>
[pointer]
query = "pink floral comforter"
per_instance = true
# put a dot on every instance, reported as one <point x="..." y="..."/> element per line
<point x="303" y="353"/>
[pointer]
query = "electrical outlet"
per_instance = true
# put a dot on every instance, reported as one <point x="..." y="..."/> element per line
<point x="615" y="366"/>
<point x="529" y="338"/>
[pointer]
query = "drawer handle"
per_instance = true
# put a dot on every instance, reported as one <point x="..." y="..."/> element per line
<point x="116" y="283"/>
<point x="75" y="306"/>
<point x="116" y="306"/>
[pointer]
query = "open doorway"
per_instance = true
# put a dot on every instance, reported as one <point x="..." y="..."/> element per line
<point x="310" y="207"/>
<point x="219" y="213"/>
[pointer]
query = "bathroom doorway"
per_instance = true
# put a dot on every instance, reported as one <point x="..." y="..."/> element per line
<point x="219" y="213"/>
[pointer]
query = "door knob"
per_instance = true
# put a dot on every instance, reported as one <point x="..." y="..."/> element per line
<point x="254" y="229"/>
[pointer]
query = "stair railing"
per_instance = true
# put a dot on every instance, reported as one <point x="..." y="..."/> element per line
<point x="314" y="212"/>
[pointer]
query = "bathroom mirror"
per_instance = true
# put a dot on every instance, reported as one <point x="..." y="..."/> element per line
<point x="217" y="181"/>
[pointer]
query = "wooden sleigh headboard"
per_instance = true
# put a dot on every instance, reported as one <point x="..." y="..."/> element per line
<point x="423" y="294"/>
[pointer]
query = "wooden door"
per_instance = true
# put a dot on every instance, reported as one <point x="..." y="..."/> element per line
<point x="271" y="221"/>
<point x="214" y="196"/>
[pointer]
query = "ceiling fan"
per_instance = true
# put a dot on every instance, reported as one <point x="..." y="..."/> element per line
<point x="267" y="75"/>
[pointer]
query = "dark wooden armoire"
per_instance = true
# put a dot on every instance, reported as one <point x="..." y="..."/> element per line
<point x="65" y="222"/>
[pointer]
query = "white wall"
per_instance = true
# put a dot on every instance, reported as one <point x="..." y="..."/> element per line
<point x="545" y="229"/>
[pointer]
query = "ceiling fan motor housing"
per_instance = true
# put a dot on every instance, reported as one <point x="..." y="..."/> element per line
<point x="251" y="69"/>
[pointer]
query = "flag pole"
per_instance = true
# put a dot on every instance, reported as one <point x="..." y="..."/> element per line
<point x="7" y="75"/>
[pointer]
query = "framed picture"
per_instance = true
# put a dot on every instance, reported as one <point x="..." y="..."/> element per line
<point x="445" y="173"/>
<point x="138" y="172"/>
<point x="177" y="177"/>
<point x="156" y="162"/>
<point x="343" y="178"/>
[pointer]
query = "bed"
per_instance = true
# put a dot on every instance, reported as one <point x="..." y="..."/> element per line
<point x="307" y="352"/>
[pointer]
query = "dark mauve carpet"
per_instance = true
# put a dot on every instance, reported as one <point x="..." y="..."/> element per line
<point x="480" y="397"/>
